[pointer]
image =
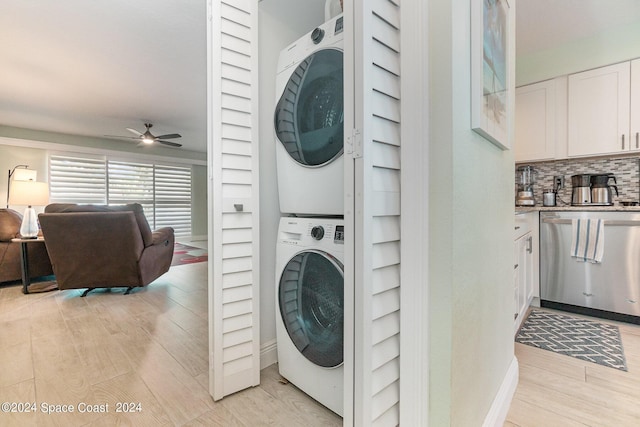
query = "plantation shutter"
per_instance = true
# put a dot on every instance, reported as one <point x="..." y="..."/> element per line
<point x="373" y="85"/>
<point x="131" y="183"/>
<point x="173" y="198"/>
<point x="233" y="161"/>
<point x="77" y="179"/>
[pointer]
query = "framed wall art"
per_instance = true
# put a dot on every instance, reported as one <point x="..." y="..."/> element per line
<point x="491" y="70"/>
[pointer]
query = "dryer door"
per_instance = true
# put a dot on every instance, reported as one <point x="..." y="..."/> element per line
<point x="309" y="117"/>
<point x="311" y="299"/>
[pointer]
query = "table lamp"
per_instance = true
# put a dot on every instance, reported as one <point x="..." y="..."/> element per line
<point x="29" y="193"/>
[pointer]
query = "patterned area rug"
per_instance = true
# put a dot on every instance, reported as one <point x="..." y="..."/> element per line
<point x="185" y="254"/>
<point x="576" y="337"/>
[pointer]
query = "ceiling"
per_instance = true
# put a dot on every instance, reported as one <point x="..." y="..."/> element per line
<point x="97" y="67"/>
<point x="543" y="24"/>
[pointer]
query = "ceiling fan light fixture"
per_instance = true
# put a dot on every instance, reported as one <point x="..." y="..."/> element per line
<point x="148" y="140"/>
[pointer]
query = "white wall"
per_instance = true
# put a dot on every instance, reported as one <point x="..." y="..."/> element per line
<point x="281" y="22"/>
<point x="471" y="244"/>
<point x="616" y="45"/>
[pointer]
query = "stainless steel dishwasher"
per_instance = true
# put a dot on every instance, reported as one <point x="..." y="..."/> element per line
<point x="609" y="289"/>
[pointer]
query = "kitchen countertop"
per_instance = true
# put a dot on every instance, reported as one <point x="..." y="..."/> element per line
<point x="614" y="208"/>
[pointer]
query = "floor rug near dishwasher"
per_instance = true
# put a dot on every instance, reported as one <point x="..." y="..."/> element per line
<point x="574" y="336"/>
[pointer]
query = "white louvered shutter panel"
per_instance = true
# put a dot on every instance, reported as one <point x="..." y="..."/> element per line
<point x="233" y="159"/>
<point x="173" y="198"/>
<point x="75" y="179"/>
<point x="130" y="182"/>
<point x="375" y="74"/>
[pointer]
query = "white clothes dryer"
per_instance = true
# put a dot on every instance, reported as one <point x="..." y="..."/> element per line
<point x="309" y="123"/>
<point x="310" y="307"/>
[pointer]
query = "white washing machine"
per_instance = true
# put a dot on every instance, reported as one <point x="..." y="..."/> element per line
<point x="309" y="123"/>
<point x="310" y="307"/>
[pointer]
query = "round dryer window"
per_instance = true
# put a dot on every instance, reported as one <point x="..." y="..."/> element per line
<point x="309" y="117"/>
<point x="311" y="296"/>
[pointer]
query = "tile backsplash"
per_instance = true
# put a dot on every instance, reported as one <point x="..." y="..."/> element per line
<point x="626" y="170"/>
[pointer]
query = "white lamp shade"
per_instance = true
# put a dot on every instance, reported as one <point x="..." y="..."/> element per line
<point x="24" y="175"/>
<point x="29" y="193"/>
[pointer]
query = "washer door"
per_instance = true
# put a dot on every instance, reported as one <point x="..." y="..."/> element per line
<point x="309" y="117"/>
<point x="311" y="296"/>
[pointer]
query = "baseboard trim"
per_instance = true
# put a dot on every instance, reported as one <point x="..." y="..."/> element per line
<point x="500" y="407"/>
<point x="268" y="354"/>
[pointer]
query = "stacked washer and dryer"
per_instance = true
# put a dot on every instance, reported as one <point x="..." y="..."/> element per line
<point x="309" y="128"/>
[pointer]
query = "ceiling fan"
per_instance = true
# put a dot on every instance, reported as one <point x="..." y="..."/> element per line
<point x="147" y="138"/>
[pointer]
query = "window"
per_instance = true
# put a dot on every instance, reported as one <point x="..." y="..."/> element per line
<point x="163" y="190"/>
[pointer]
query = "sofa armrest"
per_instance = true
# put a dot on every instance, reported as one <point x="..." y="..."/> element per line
<point x="162" y="235"/>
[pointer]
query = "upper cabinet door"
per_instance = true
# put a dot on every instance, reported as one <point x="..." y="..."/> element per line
<point x="599" y="111"/>
<point x="635" y="104"/>
<point x="535" y="128"/>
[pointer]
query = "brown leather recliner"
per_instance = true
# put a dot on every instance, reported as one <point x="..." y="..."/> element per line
<point x="96" y="246"/>
<point x="10" y="258"/>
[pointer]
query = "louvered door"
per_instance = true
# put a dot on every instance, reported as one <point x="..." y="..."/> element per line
<point x="233" y="190"/>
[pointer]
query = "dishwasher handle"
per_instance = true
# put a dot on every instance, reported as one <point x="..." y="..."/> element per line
<point x="617" y="223"/>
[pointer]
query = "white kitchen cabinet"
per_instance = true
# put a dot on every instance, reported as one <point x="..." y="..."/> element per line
<point x="598" y="111"/>
<point x="535" y="128"/>
<point x="526" y="262"/>
<point x="635" y="104"/>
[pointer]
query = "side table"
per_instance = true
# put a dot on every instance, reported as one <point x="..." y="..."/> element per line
<point x="24" y="255"/>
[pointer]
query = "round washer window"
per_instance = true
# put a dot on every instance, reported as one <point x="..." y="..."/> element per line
<point x="311" y="296"/>
<point x="309" y="117"/>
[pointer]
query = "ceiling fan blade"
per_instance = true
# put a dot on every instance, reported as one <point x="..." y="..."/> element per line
<point x="134" y="131"/>
<point x="169" y="136"/>
<point x="170" y="144"/>
<point x="121" y="137"/>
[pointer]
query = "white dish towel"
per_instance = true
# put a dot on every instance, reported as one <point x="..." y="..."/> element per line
<point x="587" y="242"/>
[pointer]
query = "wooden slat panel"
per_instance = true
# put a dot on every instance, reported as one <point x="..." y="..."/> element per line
<point x="237" y="337"/>
<point x="385" y="82"/>
<point x="385" y="327"/>
<point x="385" y="203"/>
<point x="384" y="376"/>
<point x="236" y="59"/>
<point x="241" y="148"/>
<point x="236" y="88"/>
<point x="385" y="254"/>
<point x="386" y="409"/>
<point x="385" y="278"/>
<point x="238" y="366"/>
<point x="234" y="29"/>
<point x="239" y="351"/>
<point x="385" y="107"/>
<point x="236" y="309"/>
<point x="387" y="11"/>
<point x="234" y="176"/>
<point x="237" y="322"/>
<point x="238" y="133"/>
<point x="237" y="103"/>
<point x="236" y="265"/>
<point x="236" y="44"/>
<point x="235" y="14"/>
<point x="236" y="190"/>
<point x="386" y="58"/>
<point x="241" y="278"/>
<point x="386" y="34"/>
<point x="237" y="294"/>
<point x="385" y="155"/>
<point x="385" y="179"/>
<point x="236" y="220"/>
<point x="385" y="131"/>
<point x="236" y="236"/>
<point x="237" y="250"/>
<point x="385" y="351"/>
<point x="232" y="161"/>
<point x="236" y="74"/>
<point x="385" y="303"/>
<point x="385" y="229"/>
<point x="237" y="118"/>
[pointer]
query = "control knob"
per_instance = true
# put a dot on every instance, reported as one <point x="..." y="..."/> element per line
<point x="317" y="35"/>
<point x="317" y="232"/>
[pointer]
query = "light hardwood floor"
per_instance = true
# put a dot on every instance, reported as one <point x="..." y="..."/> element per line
<point x="558" y="390"/>
<point x="149" y="347"/>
